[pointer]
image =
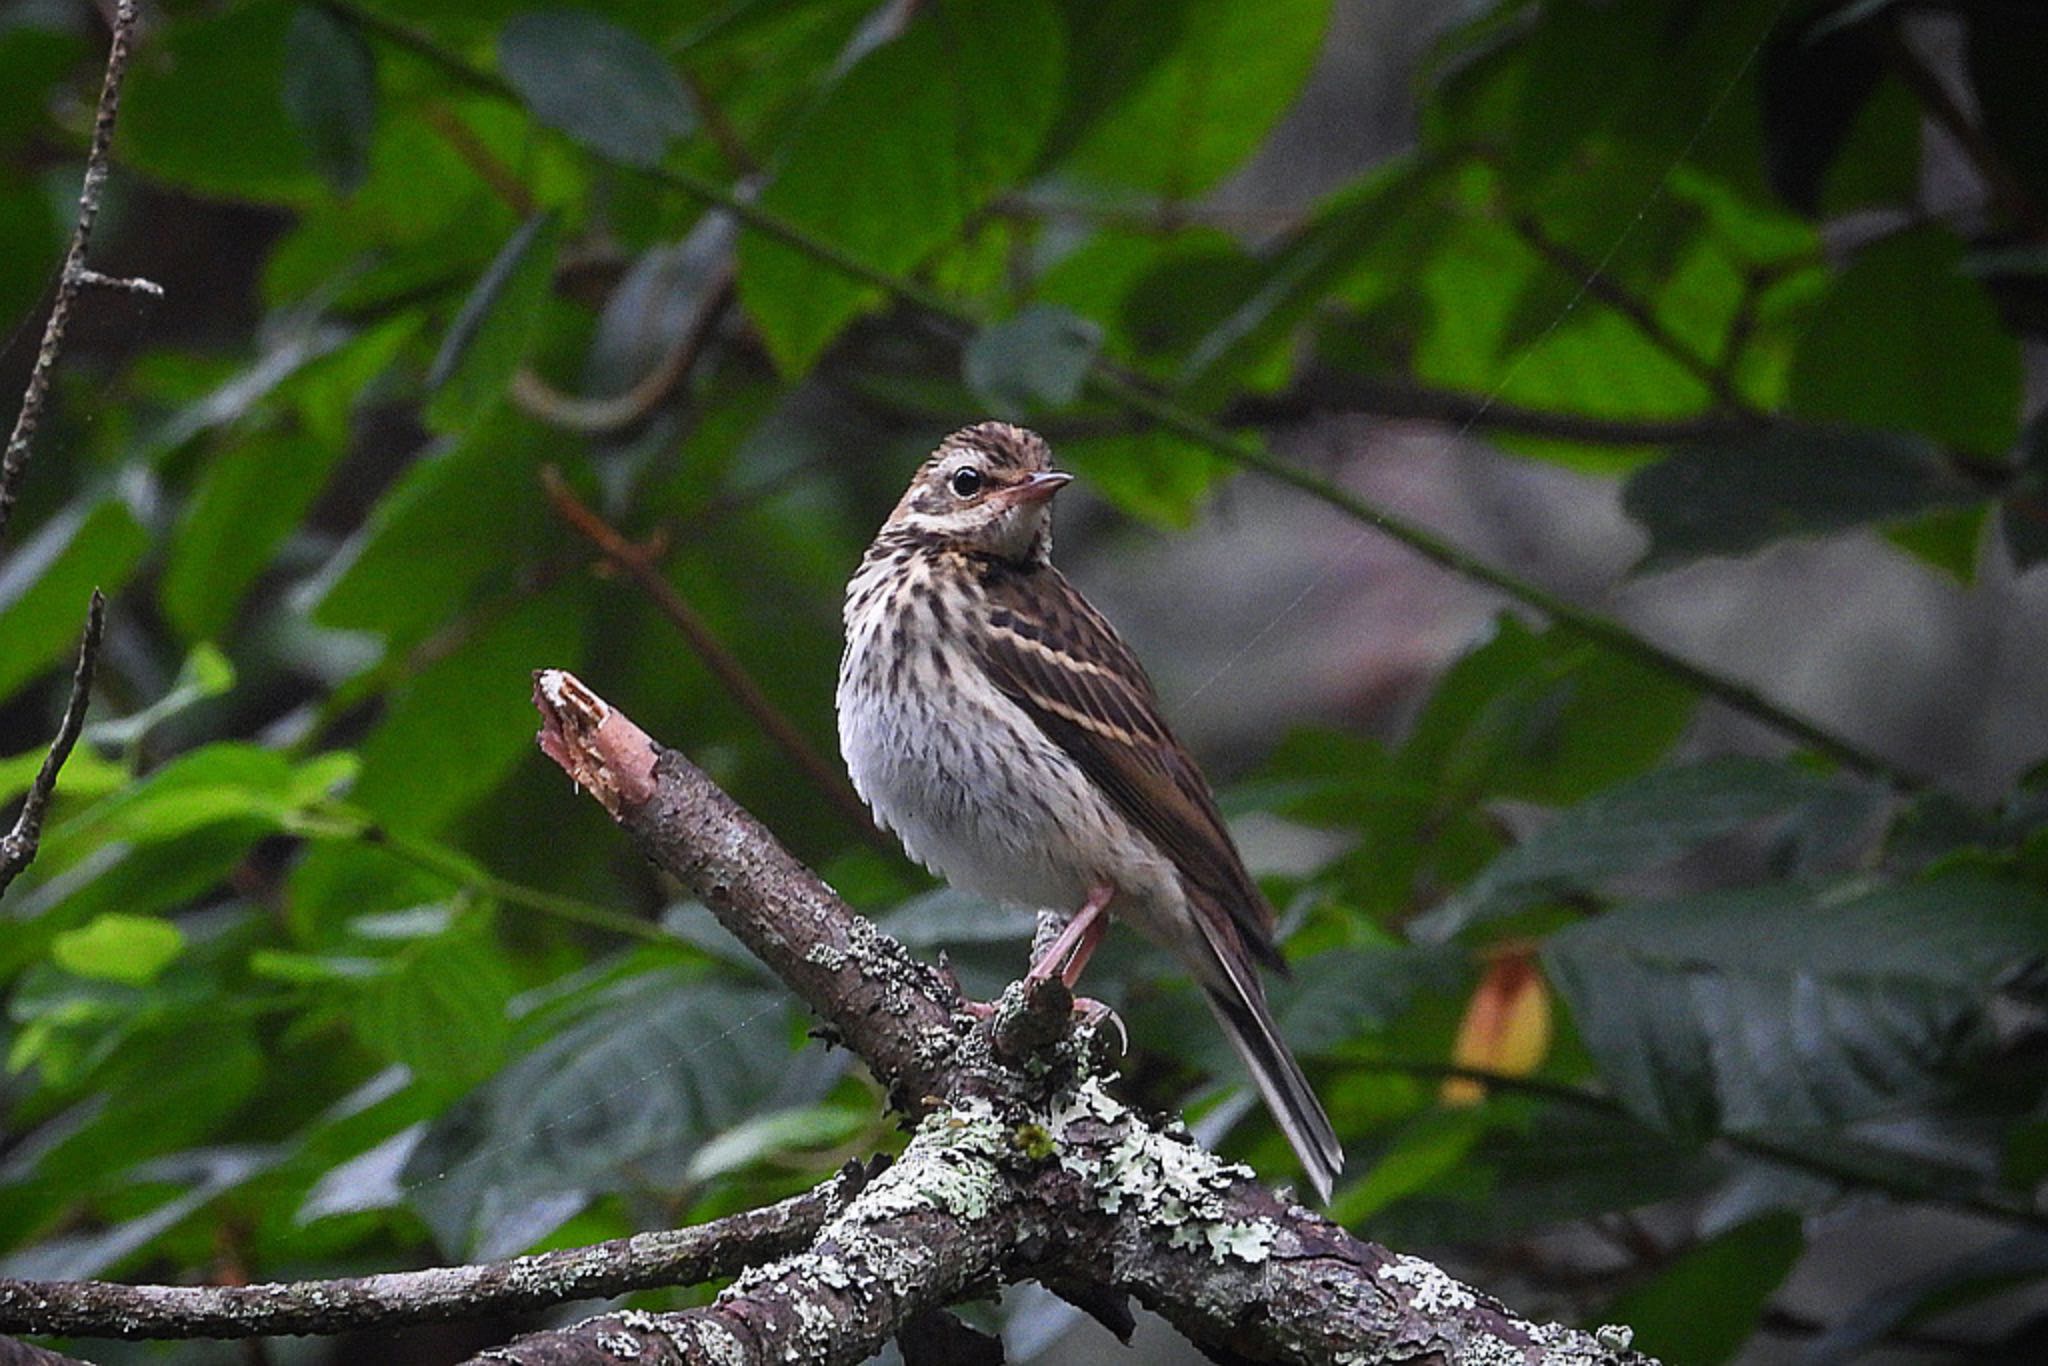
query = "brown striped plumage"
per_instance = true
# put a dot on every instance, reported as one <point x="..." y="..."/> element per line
<point x="999" y="726"/>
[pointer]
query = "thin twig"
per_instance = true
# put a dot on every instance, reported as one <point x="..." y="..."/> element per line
<point x="18" y="846"/>
<point x="74" y="275"/>
<point x="639" y="565"/>
<point x="489" y="167"/>
<point x="430" y="858"/>
<point x="684" y="1256"/>
<point x="961" y="323"/>
<point x="1320" y="391"/>
<point x="1616" y="296"/>
<point x="622" y="412"/>
<point x="724" y="135"/>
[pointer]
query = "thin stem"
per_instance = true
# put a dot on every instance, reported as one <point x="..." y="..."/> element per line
<point x="18" y="847"/>
<point x="639" y="565"/>
<point x="74" y="275"/>
<point x="1611" y="292"/>
<point x="1317" y="391"/>
<point x="445" y="863"/>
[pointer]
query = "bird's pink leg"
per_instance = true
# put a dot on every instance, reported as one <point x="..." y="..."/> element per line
<point x="1069" y="953"/>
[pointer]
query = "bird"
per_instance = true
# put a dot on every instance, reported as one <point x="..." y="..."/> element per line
<point x="996" y="723"/>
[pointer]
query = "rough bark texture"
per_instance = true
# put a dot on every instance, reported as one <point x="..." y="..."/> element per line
<point x="682" y="1256"/>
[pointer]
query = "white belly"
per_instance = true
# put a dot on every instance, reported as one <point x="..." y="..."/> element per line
<point x="977" y="792"/>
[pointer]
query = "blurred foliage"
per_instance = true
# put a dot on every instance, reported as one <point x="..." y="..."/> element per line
<point x="322" y="967"/>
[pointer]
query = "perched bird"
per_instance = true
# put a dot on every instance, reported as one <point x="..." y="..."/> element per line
<point x="996" y="723"/>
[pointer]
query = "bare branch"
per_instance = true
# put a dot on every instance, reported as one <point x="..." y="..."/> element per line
<point x="932" y="1226"/>
<point x="683" y="1256"/>
<point x="638" y="564"/>
<point x="1318" y="391"/>
<point x="898" y="1014"/>
<point x="18" y="846"/>
<point x="74" y="276"/>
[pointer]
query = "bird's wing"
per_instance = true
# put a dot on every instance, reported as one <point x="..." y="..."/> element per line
<point x="1053" y="655"/>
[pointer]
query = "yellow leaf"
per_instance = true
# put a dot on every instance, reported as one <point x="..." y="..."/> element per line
<point x="1506" y="1028"/>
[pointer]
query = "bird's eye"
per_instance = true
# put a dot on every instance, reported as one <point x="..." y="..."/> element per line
<point x="966" y="481"/>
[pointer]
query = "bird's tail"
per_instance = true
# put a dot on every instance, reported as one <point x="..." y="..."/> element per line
<point x="1239" y="1003"/>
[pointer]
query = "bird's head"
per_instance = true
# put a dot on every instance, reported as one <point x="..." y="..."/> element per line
<point x="989" y="489"/>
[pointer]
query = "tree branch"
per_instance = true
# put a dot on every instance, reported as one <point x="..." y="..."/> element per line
<point x="74" y="275"/>
<point x="1616" y="296"/>
<point x="1321" y="391"/>
<point x="18" y="846"/>
<point x="1069" y="1184"/>
<point x="932" y="1226"/>
<point x="683" y="1256"/>
<point x="639" y="565"/>
<point x="898" y="1014"/>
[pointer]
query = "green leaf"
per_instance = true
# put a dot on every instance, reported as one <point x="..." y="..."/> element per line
<point x="1544" y="718"/>
<point x="1368" y="225"/>
<point x="918" y="134"/>
<point x="330" y="92"/>
<point x="119" y="948"/>
<point x="1788" y="1007"/>
<point x="1184" y="118"/>
<point x="227" y="782"/>
<point x="1815" y="90"/>
<point x="1037" y="358"/>
<point x="69" y="886"/>
<point x="596" y="82"/>
<point x="85" y="774"/>
<point x="1153" y="475"/>
<point x="776" y="1134"/>
<point x="1638" y="824"/>
<point x="1788" y="481"/>
<point x="206" y="673"/>
<point x="1565" y="1163"/>
<point x="1435" y="1143"/>
<point x="623" y="1095"/>
<point x="47" y="580"/>
<point x="494" y="333"/>
<point x="1702" y="1308"/>
<point x="207" y="1173"/>
<point x="1946" y="539"/>
<point x="251" y="495"/>
<point x="201" y="110"/>
<point x="460" y="725"/>
<point x="464" y="510"/>
<point x="442" y="1012"/>
<point x="161" y="1091"/>
<point x="1904" y="341"/>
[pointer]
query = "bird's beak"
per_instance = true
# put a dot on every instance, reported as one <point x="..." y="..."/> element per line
<point x="1036" y="488"/>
